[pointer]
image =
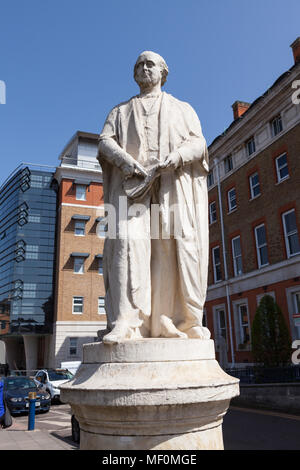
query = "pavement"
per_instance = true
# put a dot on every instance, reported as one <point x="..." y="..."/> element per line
<point x="52" y="432"/>
<point x="11" y="439"/>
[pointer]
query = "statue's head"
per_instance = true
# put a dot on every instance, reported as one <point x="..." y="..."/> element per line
<point x="150" y="68"/>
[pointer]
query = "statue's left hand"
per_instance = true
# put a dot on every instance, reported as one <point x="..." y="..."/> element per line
<point x="172" y="161"/>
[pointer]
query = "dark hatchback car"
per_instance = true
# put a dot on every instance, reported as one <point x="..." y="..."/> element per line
<point x="16" y="390"/>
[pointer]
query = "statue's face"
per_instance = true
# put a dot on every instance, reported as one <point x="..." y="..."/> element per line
<point x="148" y="69"/>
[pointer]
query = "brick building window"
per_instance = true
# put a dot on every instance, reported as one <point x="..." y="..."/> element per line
<point x="79" y="228"/>
<point x="73" y="346"/>
<point x="78" y="265"/>
<point x="101" y="305"/>
<point x="276" y="125"/>
<point x="282" y="168"/>
<point x="216" y="258"/>
<point x="210" y="179"/>
<point x="231" y="197"/>
<point x="237" y="256"/>
<point x="212" y="212"/>
<point x="101" y="226"/>
<point x="250" y="146"/>
<point x="296" y="302"/>
<point x="228" y="164"/>
<point x="77" y="305"/>
<point x="81" y="192"/>
<point x="261" y="245"/>
<point x="242" y="326"/>
<point x="100" y="265"/>
<point x="220" y="327"/>
<point x="291" y="233"/>
<point x="254" y="185"/>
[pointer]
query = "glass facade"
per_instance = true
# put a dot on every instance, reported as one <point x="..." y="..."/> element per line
<point x="27" y="252"/>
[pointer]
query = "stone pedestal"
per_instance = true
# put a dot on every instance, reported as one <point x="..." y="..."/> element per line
<point x="150" y="394"/>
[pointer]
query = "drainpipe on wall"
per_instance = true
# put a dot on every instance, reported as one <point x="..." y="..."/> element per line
<point x="216" y="162"/>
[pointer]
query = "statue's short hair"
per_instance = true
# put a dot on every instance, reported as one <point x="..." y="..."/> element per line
<point x="163" y="65"/>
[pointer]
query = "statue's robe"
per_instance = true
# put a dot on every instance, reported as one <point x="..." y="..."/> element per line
<point x="137" y="283"/>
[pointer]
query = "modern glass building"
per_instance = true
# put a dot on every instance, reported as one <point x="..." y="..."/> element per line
<point x="27" y="264"/>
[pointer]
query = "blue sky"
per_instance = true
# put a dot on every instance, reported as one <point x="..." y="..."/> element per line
<point x="66" y="63"/>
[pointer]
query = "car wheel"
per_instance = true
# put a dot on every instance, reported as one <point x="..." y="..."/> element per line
<point x="75" y="430"/>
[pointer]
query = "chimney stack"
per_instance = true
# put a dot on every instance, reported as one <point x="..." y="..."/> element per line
<point x="239" y="108"/>
<point x="296" y="50"/>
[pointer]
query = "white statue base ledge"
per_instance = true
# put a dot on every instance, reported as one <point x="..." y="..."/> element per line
<point x="150" y="394"/>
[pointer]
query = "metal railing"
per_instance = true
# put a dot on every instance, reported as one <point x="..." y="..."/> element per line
<point x="261" y="375"/>
<point x="17" y="372"/>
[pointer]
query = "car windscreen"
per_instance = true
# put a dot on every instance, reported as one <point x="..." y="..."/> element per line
<point x="19" y="383"/>
<point x="59" y="375"/>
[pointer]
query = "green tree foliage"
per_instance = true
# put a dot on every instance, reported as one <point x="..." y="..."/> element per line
<point x="271" y="342"/>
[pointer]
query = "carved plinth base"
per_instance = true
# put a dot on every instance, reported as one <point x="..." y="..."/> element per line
<point x="158" y="394"/>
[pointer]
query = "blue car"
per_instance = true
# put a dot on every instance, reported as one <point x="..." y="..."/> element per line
<point x="16" y="390"/>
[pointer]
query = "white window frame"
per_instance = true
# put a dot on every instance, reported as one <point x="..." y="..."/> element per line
<point x="210" y="179"/>
<point x="101" y="306"/>
<point x="251" y="147"/>
<point x="253" y="186"/>
<point x="295" y="327"/>
<point x="230" y="199"/>
<point x="100" y="265"/>
<point x="72" y="346"/>
<point x="216" y="265"/>
<point x="212" y="212"/>
<point x="78" y="265"/>
<point x="259" y="247"/>
<point x="235" y="257"/>
<point x="101" y="227"/>
<point x="74" y="304"/>
<point x="287" y="235"/>
<point x="228" y="164"/>
<point x="274" y="125"/>
<point x="239" y="325"/>
<point x="278" y="169"/>
<point x="79" y="228"/>
<point x="217" y="327"/>
<point x="296" y="306"/>
<point x="80" y="192"/>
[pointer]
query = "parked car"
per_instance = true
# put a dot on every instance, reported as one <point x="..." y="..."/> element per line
<point x="71" y="366"/>
<point x="16" y="390"/>
<point x="51" y="379"/>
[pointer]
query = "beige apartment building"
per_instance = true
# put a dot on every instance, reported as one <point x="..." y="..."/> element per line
<point x="79" y="290"/>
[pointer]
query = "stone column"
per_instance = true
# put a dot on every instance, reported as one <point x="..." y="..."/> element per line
<point x="31" y="351"/>
<point x="150" y="394"/>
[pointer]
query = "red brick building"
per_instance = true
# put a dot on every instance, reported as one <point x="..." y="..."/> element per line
<point x="254" y="211"/>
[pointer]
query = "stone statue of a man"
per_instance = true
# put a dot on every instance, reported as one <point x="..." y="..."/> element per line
<point x="153" y="153"/>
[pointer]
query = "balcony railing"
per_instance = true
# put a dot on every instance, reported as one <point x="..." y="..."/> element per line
<point x="87" y="164"/>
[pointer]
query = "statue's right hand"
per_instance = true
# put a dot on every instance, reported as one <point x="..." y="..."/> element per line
<point x="128" y="169"/>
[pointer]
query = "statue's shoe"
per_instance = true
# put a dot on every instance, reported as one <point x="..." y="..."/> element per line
<point x="120" y="332"/>
<point x="200" y="332"/>
<point x="169" y="330"/>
